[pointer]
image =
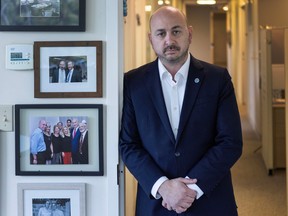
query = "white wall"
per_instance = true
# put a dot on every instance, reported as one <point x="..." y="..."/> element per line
<point x="103" y="22"/>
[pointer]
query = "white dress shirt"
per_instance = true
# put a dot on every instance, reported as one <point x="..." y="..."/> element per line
<point x="62" y="76"/>
<point x="69" y="76"/>
<point x="173" y="91"/>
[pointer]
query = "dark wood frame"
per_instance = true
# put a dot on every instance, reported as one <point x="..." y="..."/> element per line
<point x="22" y="145"/>
<point x="22" y="24"/>
<point x="37" y="73"/>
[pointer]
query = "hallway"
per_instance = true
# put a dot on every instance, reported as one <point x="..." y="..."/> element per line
<point x="257" y="194"/>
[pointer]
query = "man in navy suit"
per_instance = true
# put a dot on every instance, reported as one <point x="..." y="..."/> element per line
<point x="73" y="75"/>
<point x="181" y="130"/>
<point x="75" y="134"/>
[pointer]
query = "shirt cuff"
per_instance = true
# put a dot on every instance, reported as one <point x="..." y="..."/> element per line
<point x="195" y="188"/>
<point x="154" y="190"/>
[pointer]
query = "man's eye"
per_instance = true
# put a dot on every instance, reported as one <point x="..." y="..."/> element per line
<point x="176" y="32"/>
<point x="161" y="34"/>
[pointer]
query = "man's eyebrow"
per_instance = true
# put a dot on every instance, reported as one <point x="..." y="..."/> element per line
<point x="160" y="30"/>
<point x="177" y="27"/>
<point x="173" y="28"/>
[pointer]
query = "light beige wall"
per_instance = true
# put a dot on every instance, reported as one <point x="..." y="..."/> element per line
<point x="199" y="19"/>
<point x="218" y="49"/>
<point x="253" y="74"/>
<point x="129" y="37"/>
<point x="104" y="22"/>
<point x="273" y="13"/>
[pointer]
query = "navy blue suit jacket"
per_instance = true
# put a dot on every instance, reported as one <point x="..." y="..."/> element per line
<point x="75" y="140"/>
<point x="208" y="143"/>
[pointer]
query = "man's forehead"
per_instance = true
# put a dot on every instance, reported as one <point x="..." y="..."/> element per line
<point x="167" y="23"/>
<point x="159" y="28"/>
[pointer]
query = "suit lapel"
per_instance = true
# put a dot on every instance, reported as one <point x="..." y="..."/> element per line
<point x="155" y="90"/>
<point x="194" y="81"/>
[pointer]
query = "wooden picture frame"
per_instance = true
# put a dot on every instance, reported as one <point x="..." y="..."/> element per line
<point x="47" y="145"/>
<point x="87" y="59"/>
<point x="49" y="15"/>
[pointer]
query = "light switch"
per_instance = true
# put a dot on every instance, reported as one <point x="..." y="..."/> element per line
<point x="6" y="118"/>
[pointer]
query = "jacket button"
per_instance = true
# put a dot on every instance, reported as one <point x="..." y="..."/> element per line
<point x="177" y="154"/>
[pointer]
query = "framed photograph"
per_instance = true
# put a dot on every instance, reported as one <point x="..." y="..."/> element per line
<point x="51" y="199"/>
<point x="59" y="139"/>
<point x="42" y="15"/>
<point x="68" y="69"/>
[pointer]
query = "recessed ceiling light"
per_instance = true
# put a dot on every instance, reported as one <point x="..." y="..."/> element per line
<point x="148" y="8"/>
<point x="206" y="2"/>
<point x="225" y="8"/>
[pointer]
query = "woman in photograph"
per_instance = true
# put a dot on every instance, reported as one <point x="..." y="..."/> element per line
<point x="45" y="210"/>
<point x="47" y="140"/>
<point x="66" y="146"/>
<point x="56" y="141"/>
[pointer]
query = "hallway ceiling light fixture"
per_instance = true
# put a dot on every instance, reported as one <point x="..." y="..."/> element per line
<point x="148" y="8"/>
<point x="167" y="2"/>
<point x="206" y="2"/>
<point x="225" y="8"/>
<point x="160" y="2"/>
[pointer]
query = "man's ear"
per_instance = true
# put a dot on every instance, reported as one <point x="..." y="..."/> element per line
<point x="190" y="29"/>
<point x="149" y="37"/>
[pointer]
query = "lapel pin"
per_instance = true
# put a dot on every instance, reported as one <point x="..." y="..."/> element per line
<point x="196" y="80"/>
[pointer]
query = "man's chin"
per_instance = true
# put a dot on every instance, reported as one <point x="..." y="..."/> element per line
<point x="172" y="58"/>
<point x="171" y="53"/>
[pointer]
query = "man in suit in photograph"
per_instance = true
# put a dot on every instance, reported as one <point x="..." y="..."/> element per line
<point x="180" y="133"/>
<point x="83" y="144"/>
<point x="73" y="75"/>
<point x="75" y="134"/>
<point x="59" y="74"/>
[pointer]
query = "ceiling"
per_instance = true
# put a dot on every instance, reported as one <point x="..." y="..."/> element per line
<point x="217" y="1"/>
<point x="218" y="6"/>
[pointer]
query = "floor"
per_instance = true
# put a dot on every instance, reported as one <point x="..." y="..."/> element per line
<point x="257" y="193"/>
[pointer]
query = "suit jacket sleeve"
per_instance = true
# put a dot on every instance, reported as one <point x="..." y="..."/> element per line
<point x="135" y="156"/>
<point x="77" y="76"/>
<point x="225" y="145"/>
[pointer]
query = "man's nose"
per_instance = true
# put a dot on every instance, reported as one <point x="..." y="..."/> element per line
<point x="169" y="39"/>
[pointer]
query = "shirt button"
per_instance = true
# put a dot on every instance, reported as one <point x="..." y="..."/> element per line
<point x="177" y="154"/>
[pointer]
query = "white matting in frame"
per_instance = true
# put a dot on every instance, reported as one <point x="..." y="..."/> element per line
<point x="88" y="52"/>
<point x="92" y="113"/>
<point x="52" y="69"/>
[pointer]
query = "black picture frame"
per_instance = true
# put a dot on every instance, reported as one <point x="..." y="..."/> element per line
<point x="53" y="15"/>
<point x="27" y="119"/>
<point x="87" y="57"/>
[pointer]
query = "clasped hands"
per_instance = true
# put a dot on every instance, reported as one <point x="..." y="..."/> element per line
<point x="176" y="195"/>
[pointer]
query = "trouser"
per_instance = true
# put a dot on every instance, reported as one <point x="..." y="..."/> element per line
<point x="41" y="158"/>
<point x="75" y="158"/>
